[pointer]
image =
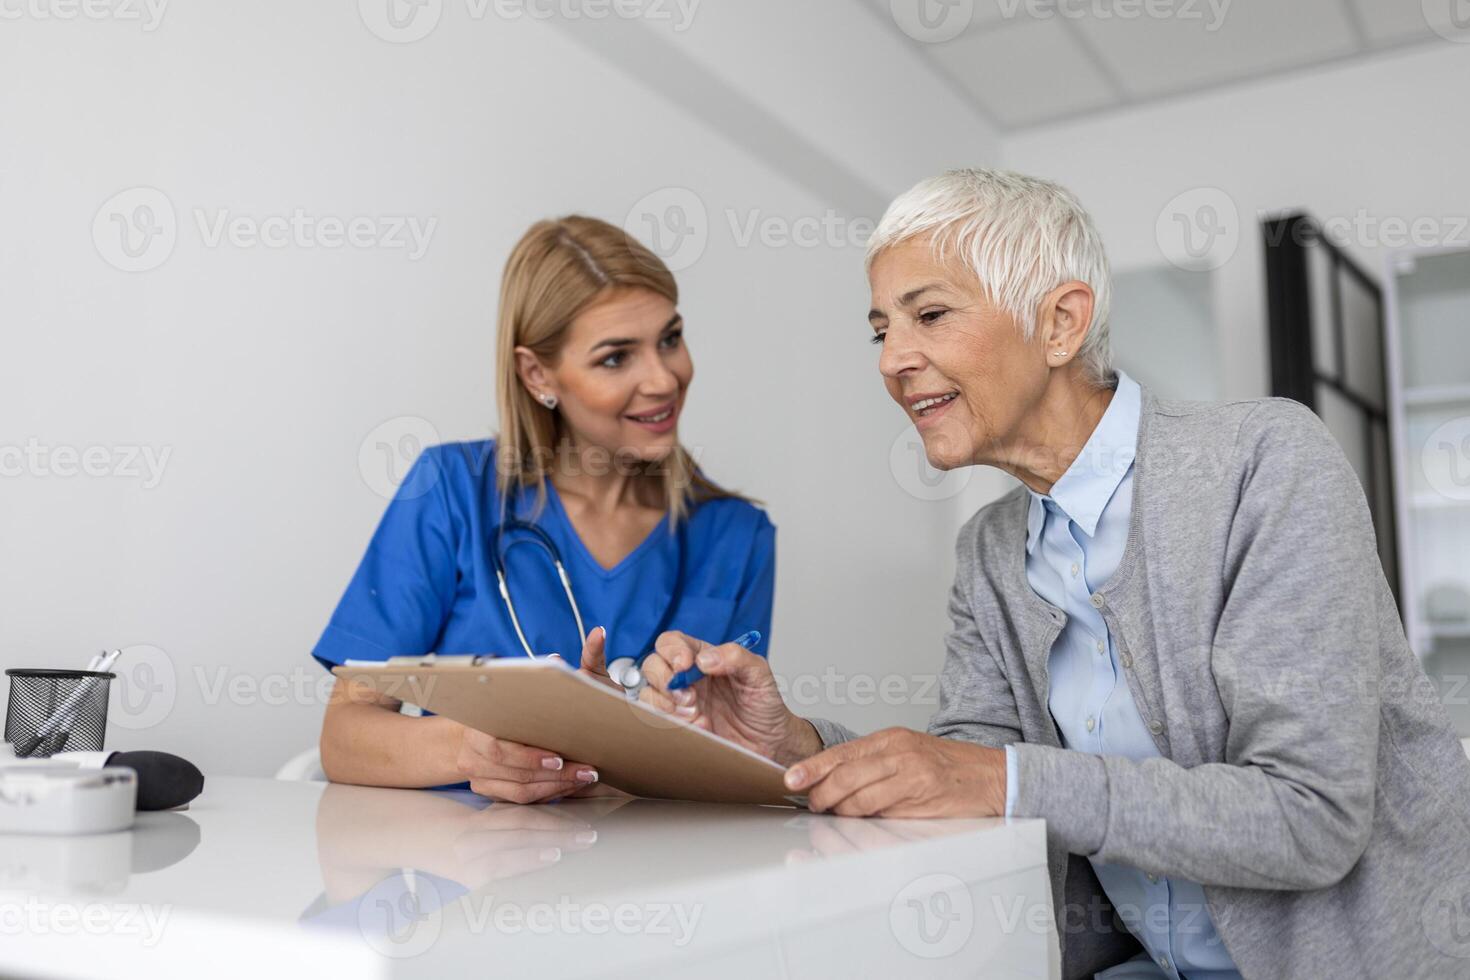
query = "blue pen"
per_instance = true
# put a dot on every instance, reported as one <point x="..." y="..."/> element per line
<point x="684" y="678"/>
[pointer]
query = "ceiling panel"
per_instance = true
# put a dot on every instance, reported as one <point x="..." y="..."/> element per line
<point x="1025" y="72"/>
<point x="1156" y="56"/>
<point x="1025" y="62"/>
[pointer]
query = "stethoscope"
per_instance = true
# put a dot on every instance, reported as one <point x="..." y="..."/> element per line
<point x="624" y="670"/>
<point x="540" y="538"/>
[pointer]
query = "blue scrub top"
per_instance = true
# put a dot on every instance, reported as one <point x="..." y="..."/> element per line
<point x="427" y="583"/>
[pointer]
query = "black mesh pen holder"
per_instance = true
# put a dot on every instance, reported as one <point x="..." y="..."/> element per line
<point x="54" y="711"/>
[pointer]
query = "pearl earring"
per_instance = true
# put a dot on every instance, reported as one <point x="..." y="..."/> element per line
<point x="1060" y="353"/>
<point x="549" y="400"/>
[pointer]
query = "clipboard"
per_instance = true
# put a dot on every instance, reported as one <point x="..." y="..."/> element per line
<point x="548" y="704"/>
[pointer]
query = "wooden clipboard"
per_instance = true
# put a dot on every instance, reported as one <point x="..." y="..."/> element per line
<point x="550" y="705"/>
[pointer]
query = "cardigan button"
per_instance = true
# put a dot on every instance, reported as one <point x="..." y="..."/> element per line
<point x="1097" y="600"/>
<point x="1155" y="727"/>
<point x="1127" y="662"/>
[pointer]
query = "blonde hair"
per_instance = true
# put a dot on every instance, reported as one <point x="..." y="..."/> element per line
<point x="559" y="268"/>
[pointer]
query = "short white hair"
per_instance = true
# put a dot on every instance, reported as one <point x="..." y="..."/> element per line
<point x="1021" y="236"/>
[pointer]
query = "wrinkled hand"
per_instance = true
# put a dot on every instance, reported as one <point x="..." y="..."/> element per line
<point x="737" y="699"/>
<point x="902" y="773"/>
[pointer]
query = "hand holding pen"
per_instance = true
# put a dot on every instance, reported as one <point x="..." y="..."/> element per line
<point x="687" y="676"/>
<point x="734" y="695"/>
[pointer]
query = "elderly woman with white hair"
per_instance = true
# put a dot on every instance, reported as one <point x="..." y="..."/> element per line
<point x="1174" y="642"/>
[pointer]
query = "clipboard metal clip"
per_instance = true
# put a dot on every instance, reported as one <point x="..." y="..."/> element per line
<point x="434" y="659"/>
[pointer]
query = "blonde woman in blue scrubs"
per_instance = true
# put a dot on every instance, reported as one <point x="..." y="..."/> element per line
<point x="592" y="373"/>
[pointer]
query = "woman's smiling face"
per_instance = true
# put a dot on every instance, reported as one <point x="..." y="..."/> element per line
<point x="956" y="363"/>
<point x="621" y="375"/>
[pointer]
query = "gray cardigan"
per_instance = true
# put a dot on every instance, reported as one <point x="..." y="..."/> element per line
<point x="1310" y="779"/>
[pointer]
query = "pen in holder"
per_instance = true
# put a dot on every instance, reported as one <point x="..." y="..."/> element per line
<point x="53" y="711"/>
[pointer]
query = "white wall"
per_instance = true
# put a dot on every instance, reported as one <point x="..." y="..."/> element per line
<point x="1162" y="331"/>
<point x="1366" y="145"/>
<point x="261" y="371"/>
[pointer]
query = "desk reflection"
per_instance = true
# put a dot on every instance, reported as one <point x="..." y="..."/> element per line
<point x="95" y="864"/>
<point x="459" y="843"/>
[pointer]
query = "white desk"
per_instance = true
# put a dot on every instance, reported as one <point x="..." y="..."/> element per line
<point x="271" y="879"/>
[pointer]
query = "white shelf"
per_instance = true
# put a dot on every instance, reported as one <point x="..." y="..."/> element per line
<point x="1427" y="303"/>
<point x="1436" y="395"/>
<point x="1436" y="501"/>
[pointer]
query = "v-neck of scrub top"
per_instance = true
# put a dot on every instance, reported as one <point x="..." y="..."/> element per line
<point x="649" y="542"/>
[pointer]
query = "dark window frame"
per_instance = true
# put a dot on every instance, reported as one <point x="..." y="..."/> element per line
<point x="1294" y="371"/>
